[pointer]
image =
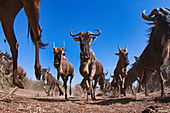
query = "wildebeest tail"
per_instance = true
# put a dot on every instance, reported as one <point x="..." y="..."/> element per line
<point x="30" y="32"/>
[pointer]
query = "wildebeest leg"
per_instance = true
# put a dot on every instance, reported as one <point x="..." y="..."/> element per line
<point x="146" y="77"/>
<point x="65" y="84"/>
<point x="94" y="89"/>
<point x="49" y="89"/>
<point x="7" y="78"/>
<point x="32" y="11"/>
<point x="161" y="81"/>
<point x="93" y="71"/>
<point x="71" y="82"/>
<point x="133" y="92"/>
<point x="2" y="84"/>
<point x="45" y="89"/>
<point x="7" y="24"/>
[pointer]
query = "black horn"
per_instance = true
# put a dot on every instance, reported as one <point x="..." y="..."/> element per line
<point x="71" y="33"/>
<point x="148" y="17"/>
<point x="95" y="34"/>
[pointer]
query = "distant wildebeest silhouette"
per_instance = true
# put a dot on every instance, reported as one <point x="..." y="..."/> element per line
<point x="50" y="80"/>
<point x="157" y="51"/>
<point x="105" y="85"/>
<point x="120" y="71"/>
<point x="90" y="68"/>
<point x="8" y="11"/>
<point x="63" y="66"/>
<point x="7" y="68"/>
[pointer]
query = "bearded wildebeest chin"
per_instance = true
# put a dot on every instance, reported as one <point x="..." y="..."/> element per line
<point x="157" y="51"/>
<point x="63" y="66"/>
<point x="8" y="11"/>
<point x="120" y="71"/>
<point x="105" y="85"/>
<point x="90" y="68"/>
<point x="50" y="80"/>
<point x="7" y="68"/>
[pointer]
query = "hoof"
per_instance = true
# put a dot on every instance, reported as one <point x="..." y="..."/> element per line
<point x="146" y="94"/>
<point x="38" y="72"/>
<point x="20" y="85"/>
<point x="89" y="93"/>
<point x="61" y="93"/>
<point x="163" y="95"/>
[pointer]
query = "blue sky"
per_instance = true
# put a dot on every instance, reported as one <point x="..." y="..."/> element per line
<point x="120" y="23"/>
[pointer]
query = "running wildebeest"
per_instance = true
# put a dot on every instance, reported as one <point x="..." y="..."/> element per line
<point x="8" y="11"/>
<point x="157" y="51"/>
<point x="7" y="68"/>
<point x="90" y="68"/>
<point x="63" y="66"/>
<point x="120" y="71"/>
<point x="105" y="85"/>
<point x="132" y="76"/>
<point x="155" y="78"/>
<point x="50" y="80"/>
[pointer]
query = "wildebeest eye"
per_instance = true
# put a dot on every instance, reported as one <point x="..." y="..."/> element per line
<point x="64" y="54"/>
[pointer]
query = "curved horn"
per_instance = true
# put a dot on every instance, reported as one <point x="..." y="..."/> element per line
<point x="95" y="34"/>
<point x="49" y="68"/>
<point x="164" y="11"/>
<point x="146" y="17"/>
<point x="106" y="72"/>
<point x="167" y="9"/>
<point x="53" y="45"/>
<point x="63" y="44"/>
<point x="74" y="35"/>
<point x="111" y="75"/>
<point x="126" y="47"/>
<point x="119" y="48"/>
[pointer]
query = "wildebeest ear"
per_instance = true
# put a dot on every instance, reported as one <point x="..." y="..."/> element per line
<point x="116" y="53"/>
<point x="65" y="50"/>
<point x="93" y="38"/>
<point x="76" y="39"/>
<point x="136" y="58"/>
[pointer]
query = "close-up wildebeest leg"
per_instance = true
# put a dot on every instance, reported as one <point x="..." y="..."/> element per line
<point x="2" y="84"/>
<point x="94" y="89"/>
<point x="146" y="77"/>
<point x="161" y="81"/>
<point x="71" y="78"/>
<point x="32" y="12"/>
<point x="7" y="24"/>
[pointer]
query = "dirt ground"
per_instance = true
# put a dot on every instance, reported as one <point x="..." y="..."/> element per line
<point x="36" y="101"/>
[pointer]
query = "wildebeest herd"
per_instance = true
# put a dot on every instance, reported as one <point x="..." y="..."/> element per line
<point x="152" y="58"/>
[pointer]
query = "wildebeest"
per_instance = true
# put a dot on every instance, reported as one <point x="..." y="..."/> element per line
<point x="50" y="80"/>
<point x="157" y="51"/>
<point x="7" y="68"/>
<point x="155" y="78"/>
<point x="63" y="66"/>
<point x="105" y="85"/>
<point x="132" y="76"/>
<point x="120" y="71"/>
<point x="8" y="11"/>
<point x="90" y="68"/>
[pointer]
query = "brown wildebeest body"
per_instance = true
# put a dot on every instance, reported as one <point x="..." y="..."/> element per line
<point x="120" y="71"/>
<point x="7" y="68"/>
<point x="50" y="80"/>
<point x="8" y="11"/>
<point x="157" y="51"/>
<point x="90" y="68"/>
<point x="63" y="66"/>
<point x="132" y="76"/>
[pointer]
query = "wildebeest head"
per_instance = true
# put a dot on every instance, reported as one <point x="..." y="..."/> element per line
<point x="58" y="54"/>
<point x="45" y="72"/>
<point x="85" y="42"/>
<point x="161" y="19"/>
<point x="123" y="56"/>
